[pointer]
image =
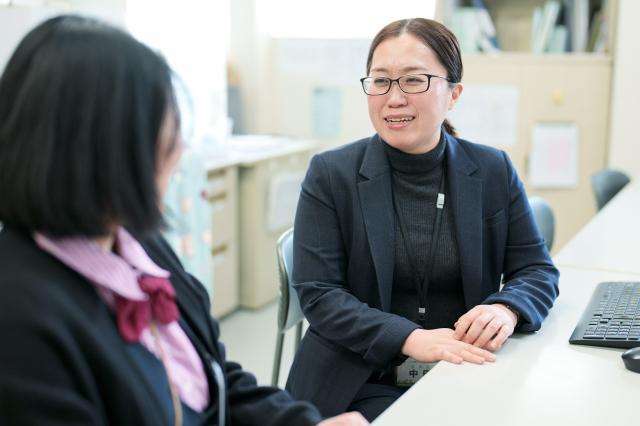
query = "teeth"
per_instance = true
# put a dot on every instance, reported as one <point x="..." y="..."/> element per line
<point x="398" y="120"/>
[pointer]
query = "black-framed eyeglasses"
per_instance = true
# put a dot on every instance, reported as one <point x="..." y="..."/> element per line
<point x="412" y="83"/>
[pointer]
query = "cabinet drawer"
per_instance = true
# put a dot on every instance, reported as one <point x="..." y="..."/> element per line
<point x="222" y="220"/>
<point x="225" y="281"/>
<point x="220" y="181"/>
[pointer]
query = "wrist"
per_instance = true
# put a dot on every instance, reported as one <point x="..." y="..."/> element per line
<point x="409" y="343"/>
<point x="514" y="313"/>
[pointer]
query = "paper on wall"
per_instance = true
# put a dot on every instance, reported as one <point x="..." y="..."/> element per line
<point x="487" y="114"/>
<point x="284" y="190"/>
<point x="327" y="112"/>
<point x="553" y="161"/>
<point x="331" y="61"/>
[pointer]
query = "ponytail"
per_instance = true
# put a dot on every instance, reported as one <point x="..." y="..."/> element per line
<point x="449" y="128"/>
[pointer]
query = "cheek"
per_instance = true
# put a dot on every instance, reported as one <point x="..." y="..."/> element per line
<point x="375" y="105"/>
<point x="167" y="168"/>
<point x="435" y="105"/>
<point x="444" y="98"/>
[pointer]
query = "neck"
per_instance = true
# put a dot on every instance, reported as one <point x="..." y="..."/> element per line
<point x="429" y="146"/>
<point x="106" y="242"/>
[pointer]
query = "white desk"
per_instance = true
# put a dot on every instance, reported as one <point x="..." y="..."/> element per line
<point x="538" y="379"/>
<point x="611" y="241"/>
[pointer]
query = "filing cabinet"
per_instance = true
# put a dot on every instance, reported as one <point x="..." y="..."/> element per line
<point x="222" y="193"/>
<point x="269" y="188"/>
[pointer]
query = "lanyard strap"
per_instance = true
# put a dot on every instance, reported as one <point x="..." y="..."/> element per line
<point x="422" y="286"/>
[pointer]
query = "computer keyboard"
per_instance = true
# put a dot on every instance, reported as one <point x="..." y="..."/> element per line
<point x="612" y="317"/>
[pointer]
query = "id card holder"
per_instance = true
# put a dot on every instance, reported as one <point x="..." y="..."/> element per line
<point x="410" y="371"/>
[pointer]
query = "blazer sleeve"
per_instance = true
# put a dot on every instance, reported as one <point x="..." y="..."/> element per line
<point x="321" y="277"/>
<point x="529" y="276"/>
<point x="250" y="404"/>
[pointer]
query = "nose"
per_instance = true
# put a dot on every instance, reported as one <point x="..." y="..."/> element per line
<point x="396" y="97"/>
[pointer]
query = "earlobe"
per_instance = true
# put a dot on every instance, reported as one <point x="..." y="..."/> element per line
<point x="455" y="94"/>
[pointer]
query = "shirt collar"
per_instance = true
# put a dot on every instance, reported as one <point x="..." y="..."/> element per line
<point x="117" y="272"/>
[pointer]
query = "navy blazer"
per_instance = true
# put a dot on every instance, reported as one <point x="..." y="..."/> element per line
<point x="63" y="361"/>
<point x="344" y="260"/>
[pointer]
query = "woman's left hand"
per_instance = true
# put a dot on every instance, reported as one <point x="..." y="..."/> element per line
<point x="486" y="326"/>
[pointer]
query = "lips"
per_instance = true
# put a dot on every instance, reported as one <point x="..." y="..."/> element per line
<point x="399" y="119"/>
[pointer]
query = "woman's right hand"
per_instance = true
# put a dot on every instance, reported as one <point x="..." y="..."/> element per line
<point x="440" y="345"/>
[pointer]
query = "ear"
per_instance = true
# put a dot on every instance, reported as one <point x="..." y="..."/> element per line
<point x="455" y="94"/>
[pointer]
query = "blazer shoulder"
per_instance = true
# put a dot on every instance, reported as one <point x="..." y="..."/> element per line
<point x="345" y="154"/>
<point x="481" y="153"/>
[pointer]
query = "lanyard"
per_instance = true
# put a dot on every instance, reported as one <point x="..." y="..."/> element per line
<point x="423" y="285"/>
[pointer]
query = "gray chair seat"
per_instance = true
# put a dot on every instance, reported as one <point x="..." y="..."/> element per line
<point x="544" y="218"/>
<point x="289" y="312"/>
<point x="606" y="184"/>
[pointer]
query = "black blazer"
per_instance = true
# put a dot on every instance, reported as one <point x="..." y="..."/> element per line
<point x="63" y="362"/>
<point x="344" y="259"/>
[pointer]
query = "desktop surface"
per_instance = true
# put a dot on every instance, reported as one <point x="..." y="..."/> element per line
<point x="537" y="378"/>
<point x="609" y="242"/>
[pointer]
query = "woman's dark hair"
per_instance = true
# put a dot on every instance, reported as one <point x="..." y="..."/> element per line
<point x="81" y="107"/>
<point x="433" y="34"/>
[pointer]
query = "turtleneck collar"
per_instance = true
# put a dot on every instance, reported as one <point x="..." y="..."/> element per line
<point x="415" y="163"/>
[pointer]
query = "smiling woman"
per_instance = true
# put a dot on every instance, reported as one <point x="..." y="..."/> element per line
<point x="401" y="239"/>
<point x="407" y="118"/>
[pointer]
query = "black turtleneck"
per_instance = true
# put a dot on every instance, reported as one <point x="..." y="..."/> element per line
<point x="416" y="178"/>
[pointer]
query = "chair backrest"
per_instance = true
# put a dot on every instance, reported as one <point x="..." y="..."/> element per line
<point x="606" y="184"/>
<point x="543" y="215"/>
<point x="289" y="312"/>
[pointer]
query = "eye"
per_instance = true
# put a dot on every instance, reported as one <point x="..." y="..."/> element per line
<point x="415" y="80"/>
<point x="380" y="81"/>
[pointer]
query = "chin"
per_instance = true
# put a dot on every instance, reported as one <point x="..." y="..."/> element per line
<point x="401" y="143"/>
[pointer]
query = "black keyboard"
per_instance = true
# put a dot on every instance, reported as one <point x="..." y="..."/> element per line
<point x="612" y="317"/>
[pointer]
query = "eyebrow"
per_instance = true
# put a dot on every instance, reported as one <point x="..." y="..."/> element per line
<point x="404" y="70"/>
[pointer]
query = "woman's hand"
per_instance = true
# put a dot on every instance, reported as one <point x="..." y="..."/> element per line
<point x="486" y="326"/>
<point x="440" y="344"/>
<point x="347" y="419"/>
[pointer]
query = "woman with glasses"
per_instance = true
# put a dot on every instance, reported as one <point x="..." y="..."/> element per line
<point x="402" y="239"/>
<point x="100" y="324"/>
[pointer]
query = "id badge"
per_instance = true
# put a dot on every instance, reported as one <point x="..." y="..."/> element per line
<point x="411" y="371"/>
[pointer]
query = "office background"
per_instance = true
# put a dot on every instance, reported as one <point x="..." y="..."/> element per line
<point x="291" y="69"/>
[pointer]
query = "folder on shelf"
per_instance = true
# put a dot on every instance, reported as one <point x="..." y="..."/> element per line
<point x="474" y="28"/>
<point x="488" y="39"/>
<point x="598" y="32"/>
<point x="577" y="21"/>
<point x="544" y="29"/>
<point x="558" y="41"/>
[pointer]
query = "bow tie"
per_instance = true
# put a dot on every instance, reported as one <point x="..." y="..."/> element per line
<point x="133" y="315"/>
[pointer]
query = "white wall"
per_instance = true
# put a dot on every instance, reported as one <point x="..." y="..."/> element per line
<point x="299" y="69"/>
<point x="624" y="148"/>
<point x="248" y="58"/>
<point x="193" y="35"/>
<point x="23" y="15"/>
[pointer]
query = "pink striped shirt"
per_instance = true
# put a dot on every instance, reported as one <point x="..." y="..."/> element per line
<point x="117" y="272"/>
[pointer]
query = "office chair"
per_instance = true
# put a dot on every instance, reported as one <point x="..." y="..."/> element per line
<point x="543" y="214"/>
<point x="606" y="184"/>
<point x="289" y="312"/>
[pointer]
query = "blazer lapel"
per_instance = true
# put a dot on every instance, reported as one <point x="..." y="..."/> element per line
<point x="466" y="201"/>
<point x="377" y="208"/>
